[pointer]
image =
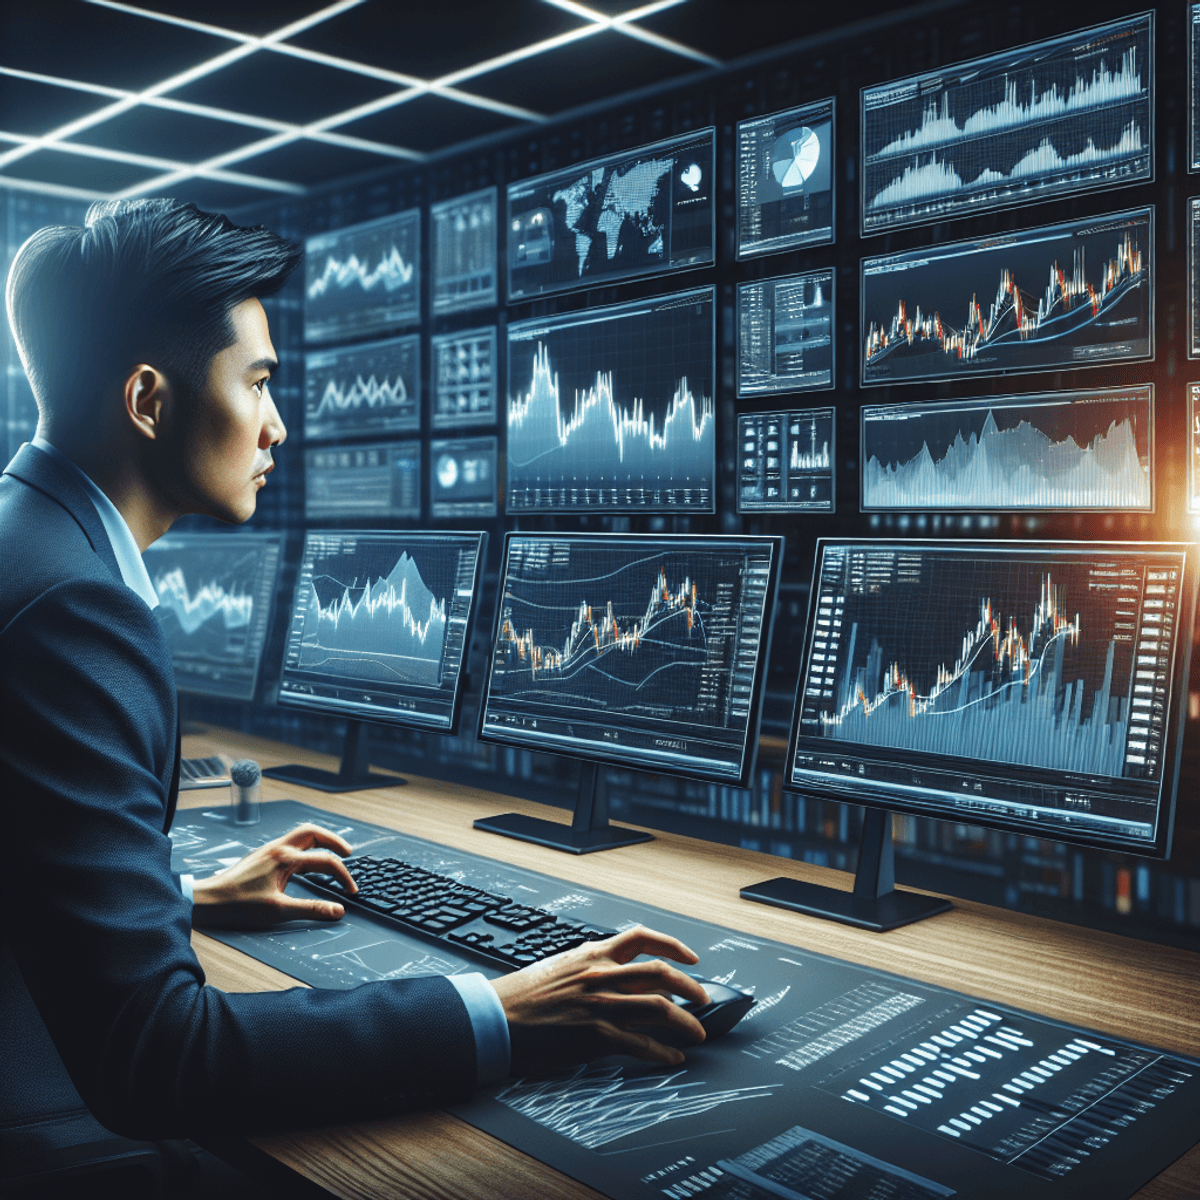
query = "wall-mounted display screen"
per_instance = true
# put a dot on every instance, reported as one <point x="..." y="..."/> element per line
<point x="785" y="334"/>
<point x="363" y="279"/>
<point x="1064" y="115"/>
<point x="640" y="212"/>
<point x="465" y="378"/>
<point x="787" y="461"/>
<point x="1194" y="447"/>
<point x="366" y="389"/>
<point x="379" y="479"/>
<point x="1193" y="261"/>
<point x="1194" y="87"/>
<point x="785" y="180"/>
<point x="462" y="235"/>
<point x="462" y="477"/>
<point x="1053" y="451"/>
<point x="1073" y="295"/>
<point x="611" y="409"/>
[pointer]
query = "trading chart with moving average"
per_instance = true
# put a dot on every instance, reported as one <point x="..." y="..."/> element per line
<point x="640" y="212"/>
<point x="465" y="377"/>
<point x="1035" y="686"/>
<point x="611" y="409"/>
<point x="380" y="624"/>
<point x="636" y="649"/>
<point x="367" y="389"/>
<point x="785" y="334"/>
<point x="1068" y="114"/>
<point x="214" y="604"/>
<point x="1057" y="297"/>
<point x="785" y="180"/>
<point x="363" y="279"/>
<point x="1052" y="451"/>
<point x="463" y="252"/>
<point x="786" y="461"/>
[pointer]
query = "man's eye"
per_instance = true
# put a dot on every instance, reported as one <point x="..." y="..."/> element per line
<point x="260" y="386"/>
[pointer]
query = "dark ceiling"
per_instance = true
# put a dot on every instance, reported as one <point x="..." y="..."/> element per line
<point x="234" y="102"/>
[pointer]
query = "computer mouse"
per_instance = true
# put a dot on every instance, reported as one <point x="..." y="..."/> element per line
<point x="725" y="1008"/>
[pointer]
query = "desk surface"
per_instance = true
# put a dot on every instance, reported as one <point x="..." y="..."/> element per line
<point x="1115" y="985"/>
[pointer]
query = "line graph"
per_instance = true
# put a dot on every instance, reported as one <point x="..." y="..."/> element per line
<point x="613" y="408"/>
<point x="374" y="388"/>
<point x="1052" y="451"/>
<point x="1078" y="294"/>
<point x="210" y="601"/>
<point x="364" y="278"/>
<point x="1068" y="114"/>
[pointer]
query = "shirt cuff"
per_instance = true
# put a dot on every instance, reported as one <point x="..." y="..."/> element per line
<point x="187" y="887"/>
<point x="489" y="1024"/>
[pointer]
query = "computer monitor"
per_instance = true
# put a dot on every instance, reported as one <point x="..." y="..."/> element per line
<point x="379" y="631"/>
<point x="374" y="479"/>
<point x="462" y="478"/>
<point x="637" y="650"/>
<point x="215" y="593"/>
<point x="354" y="391"/>
<point x="787" y="461"/>
<point x="463" y="252"/>
<point x="465" y="378"/>
<point x="1038" y="687"/>
<point x="785" y="334"/>
<point x="1193" y="445"/>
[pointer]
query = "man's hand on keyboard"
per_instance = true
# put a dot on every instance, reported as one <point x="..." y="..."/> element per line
<point x="595" y="1000"/>
<point x="250" y="895"/>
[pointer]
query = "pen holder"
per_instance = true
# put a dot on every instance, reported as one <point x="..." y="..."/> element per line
<point x="246" y="791"/>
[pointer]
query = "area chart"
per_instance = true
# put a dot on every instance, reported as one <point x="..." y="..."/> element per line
<point x="1054" y="451"/>
<point x="1069" y="114"/>
<point x="366" y="389"/>
<point x="1062" y="296"/>
<point x="612" y="408"/>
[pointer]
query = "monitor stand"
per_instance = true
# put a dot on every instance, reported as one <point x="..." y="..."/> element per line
<point x="588" y="832"/>
<point x="353" y="775"/>
<point x="873" y="904"/>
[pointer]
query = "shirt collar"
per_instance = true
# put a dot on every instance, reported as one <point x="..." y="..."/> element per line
<point x="125" y="547"/>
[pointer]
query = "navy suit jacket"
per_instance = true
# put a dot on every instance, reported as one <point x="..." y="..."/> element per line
<point x="94" y="925"/>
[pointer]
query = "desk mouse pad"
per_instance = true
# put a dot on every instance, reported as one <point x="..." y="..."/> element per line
<point x="842" y="1082"/>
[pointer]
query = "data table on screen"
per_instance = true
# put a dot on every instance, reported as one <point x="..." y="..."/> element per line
<point x="371" y="388"/>
<point x="377" y="479"/>
<point x="1078" y="294"/>
<point x="640" y="212"/>
<point x="785" y="180"/>
<point x="463" y="252"/>
<point x="1050" y="451"/>
<point x="465" y="370"/>
<point x="787" y="461"/>
<point x="462" y="477"/>
<point x="363" y="279"/>
<point x="379" y="625"/>
<point x="785" y="334"/>
<point x="1068" y="114"/>
<point x="611" y="409"/>
<point x="1027" y="686"/>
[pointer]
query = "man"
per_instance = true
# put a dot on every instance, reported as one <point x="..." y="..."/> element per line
<point x="148" y="349"/>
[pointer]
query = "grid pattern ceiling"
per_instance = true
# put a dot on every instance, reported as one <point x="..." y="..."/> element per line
<point x="227" y="103"/>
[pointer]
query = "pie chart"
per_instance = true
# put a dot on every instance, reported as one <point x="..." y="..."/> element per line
<point x="447" y="471"/>
<point x="795" y="157"/>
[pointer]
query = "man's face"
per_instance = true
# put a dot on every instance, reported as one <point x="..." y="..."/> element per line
<point x="222" y="444"/>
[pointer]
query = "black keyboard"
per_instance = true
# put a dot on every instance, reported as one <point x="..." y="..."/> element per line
<point x="493" y="928"/>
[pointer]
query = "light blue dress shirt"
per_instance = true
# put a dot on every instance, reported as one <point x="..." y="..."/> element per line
<point x="493" y="1049"/>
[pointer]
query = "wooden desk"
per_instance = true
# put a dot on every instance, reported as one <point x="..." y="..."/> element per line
<point x="1112" y="984"/>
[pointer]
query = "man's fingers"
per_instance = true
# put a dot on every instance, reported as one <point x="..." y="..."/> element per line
<point x="654" y="976"/>
<point x="292" y="908"/>
<point x="309" y="834"/>
<point x="625" y="1009"/>
<point x="639" y="1045"/>
<point x="640" y="940"/>
<point x="322" y="862"/>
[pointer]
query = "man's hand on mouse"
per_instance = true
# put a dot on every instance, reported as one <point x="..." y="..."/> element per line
<point x="595" y="1000"/>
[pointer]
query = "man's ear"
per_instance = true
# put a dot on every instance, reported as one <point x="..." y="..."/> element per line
<point x="147" y="400"/>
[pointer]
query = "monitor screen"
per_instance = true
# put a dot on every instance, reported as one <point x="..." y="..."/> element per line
<point x="1193" y="448"/>
<point x="463" y="253"/>
<point x="785" y="334"/>
<point x="1193" y="19"/>
<point x="634" y="649"/>
<point x="381" y="625"/>
<point x="1062" y="296"/>
<point x="1039" y="687"/>
<point x="1052" y="451"/>
<point x="465" y="378"/>
<point x="363" y="279"/>
<point x="379" y="479"/>
<point x="786" y="461"/>
<point x="1193" y="299"/>
<point x="214" y="604"/>
<point x="366" y="389"/>
<point x="462" y="477"/>
<point x="785" y="180"/>
<point x="1068" y="114"/>
<point x="640" y="212"/>
<point x="611" y="409"/>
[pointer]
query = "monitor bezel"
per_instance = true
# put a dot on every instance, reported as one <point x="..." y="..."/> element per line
<point x="1161" y="846"/>
<point x="461" y="682"/>
<point x="750" y="746"/>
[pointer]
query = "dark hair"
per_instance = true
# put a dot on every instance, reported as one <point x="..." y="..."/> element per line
<point x="140" y="281"/>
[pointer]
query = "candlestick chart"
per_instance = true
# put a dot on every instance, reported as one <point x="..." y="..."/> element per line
<point x="1073" y="295"/>
<point x="613" y="409"/>
<point x="1064" y="115"/>
<point x="373" y="388"/>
